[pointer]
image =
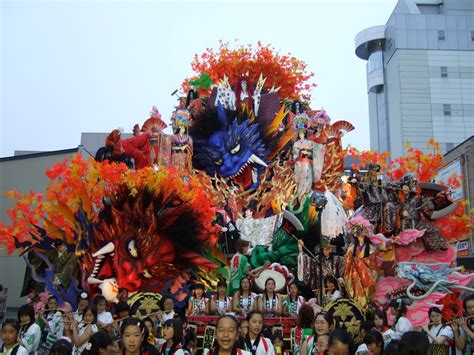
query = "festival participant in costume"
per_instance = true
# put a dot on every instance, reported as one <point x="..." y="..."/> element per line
<point x="104" y="317"/>
<point x="181" y="143"/>
<point x="293" y="302"/>
<point x="464" y="327"/>
<point x="439" y="334"/>
<point x="415" y="212"/>
<point x="220" y="303"/>
<point x="308" y="267"/>
<point x="380" y="321"/>
<point x="239" y="266"/>
<point x="83" y="331"/>
<point x="243" y="301"/>
<point x="269" y="302"/>
<point x="361" y="266"/>
<point x="173" y="334"/>
<point x="323" y="325"/>
<point x="255" y="342"/>
<point x="308" y="156"/>
<point x="53" y="324"/>
<point x="402" y="325"/>
<point x="10" y="332"/>
<point x="99" y="344"/>
<point x="30" y="332"/>
<point x="331" y="290"/>
<point x="198" y="304"/>
<point x="227" y="334"/>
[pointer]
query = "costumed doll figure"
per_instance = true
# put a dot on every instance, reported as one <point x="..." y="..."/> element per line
<point x="160" y="146"/>
<point x="375" y="200"/>
<point x="244" y="94"/>
<point x="308" y="267"/>
<point x="360" y="275"/>
<point x="256" y="231"/>
<point x="240" y="266"/>
<point x="193" y="103"/>
<point x="308" y="156"/>
<point x="415" y="212"/>
<point x="181" y="143"/>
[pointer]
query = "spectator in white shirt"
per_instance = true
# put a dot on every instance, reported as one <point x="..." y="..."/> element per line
<point x="10" y="331"/>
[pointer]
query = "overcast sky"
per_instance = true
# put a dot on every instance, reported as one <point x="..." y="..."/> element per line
<point x="91" y="66"/>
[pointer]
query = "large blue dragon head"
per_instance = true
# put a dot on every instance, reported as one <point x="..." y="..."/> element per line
<point x="234" y="151"/>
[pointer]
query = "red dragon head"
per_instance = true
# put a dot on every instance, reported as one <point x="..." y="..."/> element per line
<point x="144" y="238"/>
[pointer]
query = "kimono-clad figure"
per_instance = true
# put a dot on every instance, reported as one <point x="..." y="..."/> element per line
<point x="360" y="275"/>
<point x="309" y="158"/>
<point x="375" y="197"/>
<point x="256" y="231"/>
<point x="181" y="143"/>
<point x="415" y="210"/>
<point x="308" y="267"/>
<point x="160" y="147"/>
<point x="193" y="103"/>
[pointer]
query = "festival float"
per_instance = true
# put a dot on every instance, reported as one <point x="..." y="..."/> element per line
<point x="248" y="159"/>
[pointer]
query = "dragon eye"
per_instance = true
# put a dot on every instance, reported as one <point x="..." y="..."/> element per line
<point x="146" y="274"/>
<point x="218" y="162"/>
<point x="236" y="149"/>
<point x="132" y="248"/>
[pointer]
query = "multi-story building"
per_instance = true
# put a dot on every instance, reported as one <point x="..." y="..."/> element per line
<point x="420" y="75"/>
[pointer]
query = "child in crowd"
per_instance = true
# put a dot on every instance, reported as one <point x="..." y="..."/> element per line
<point x="10" y="332"/>
<point x="227" y="333"/>
<point x="269" y="302"/>
<point x="331" y="290"/>
<point x="439" y="334"/>
<point x="340" y="342"/>
<point x="99" y="344"/>
<point x="464" y="327"/>
<point x="104" y="317"/>
<point x="380" y="321"/>
<point x="323" y="324"/>
<point x="198" y="304"/>
<point x="53" y="324"/>
<point x="243" y="301"/>
<point x="220" y="303"/>
<point x="373" y="339"/>
<point x="322" y="344"/>
<point x="173" y="335"/>
<point x="254" y="341"/>
<point x="84" y="330"/>
<point x="82" y="303"/>
<point x="279" y="344"/>
<point x="30" y="332"/>
<point x="402" y="325"/>
<point x="293" y="302"/>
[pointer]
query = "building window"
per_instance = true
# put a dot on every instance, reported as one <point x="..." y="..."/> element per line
<point x="441" y="36"/>
<point x="444" y="72"/>
<point x="447" y="109"/>
<point x="472" y="36"/>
